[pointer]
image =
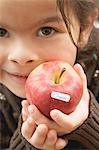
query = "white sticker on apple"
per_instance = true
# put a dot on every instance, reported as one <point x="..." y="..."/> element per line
<point x="60" y="96"/>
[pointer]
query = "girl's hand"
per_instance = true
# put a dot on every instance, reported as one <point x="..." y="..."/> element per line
<point x="61" y="122"/>
<point x="39" y="136"/>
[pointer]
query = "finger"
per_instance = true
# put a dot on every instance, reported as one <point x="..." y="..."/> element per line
<point x="51" y="138"/>
<point x="63" y="120"/>
<point x="61" y="143"/>
<point x="67" y="122"/>
<point x="81" y="73"/>
<point x="78" y="68"/>
<point x="25" y="109"/>
<point x="72" y="121"/>
<point x="28" y="127"/>
<point x="24" y="103"/>
<point x="41" y="119"/>
<point x="38" y="117"/>
<point x="39" y="136"/>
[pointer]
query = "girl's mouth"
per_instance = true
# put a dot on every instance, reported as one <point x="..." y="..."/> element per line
<point x="19" y="78"/>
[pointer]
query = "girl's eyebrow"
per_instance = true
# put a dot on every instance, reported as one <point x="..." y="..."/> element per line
<point x="50" y="19"/>
<point x="37" y="23"/>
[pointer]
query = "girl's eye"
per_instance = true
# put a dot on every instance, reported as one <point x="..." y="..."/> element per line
<point x="46" y="31"/>
<point x="3" y="32"/>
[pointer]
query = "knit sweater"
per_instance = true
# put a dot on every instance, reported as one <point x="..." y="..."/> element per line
<point x="85" y="137"/>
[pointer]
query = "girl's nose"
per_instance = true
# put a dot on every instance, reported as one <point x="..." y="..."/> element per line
<point x="23" y="55"/>
<point x="22" y="60"/>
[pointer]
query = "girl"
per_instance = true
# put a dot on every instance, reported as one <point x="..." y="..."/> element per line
<point x="33" y="32"/>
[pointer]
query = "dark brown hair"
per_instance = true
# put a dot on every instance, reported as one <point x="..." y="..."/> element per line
<point x="81" y="9"/>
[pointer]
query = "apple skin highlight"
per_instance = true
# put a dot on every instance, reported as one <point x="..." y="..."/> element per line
<point x="57" y="77"/>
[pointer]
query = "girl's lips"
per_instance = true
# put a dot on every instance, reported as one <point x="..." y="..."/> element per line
<point x="19" y="78"/>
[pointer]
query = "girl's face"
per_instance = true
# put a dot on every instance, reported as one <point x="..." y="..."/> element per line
<point x="31" y="32"/>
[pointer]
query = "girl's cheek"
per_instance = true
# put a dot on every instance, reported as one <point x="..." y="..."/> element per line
<point x="1" y="63"/>
<point x="1" y="60"/>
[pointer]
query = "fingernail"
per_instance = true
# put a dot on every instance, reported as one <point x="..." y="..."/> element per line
<point x="23" y="102"/>
<point x="31" y="109"/>
<point x="54" y="114"/>
<point x="63" y="143"/>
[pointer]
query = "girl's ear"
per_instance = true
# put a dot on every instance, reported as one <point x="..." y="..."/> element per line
<point x="85" y="33"/>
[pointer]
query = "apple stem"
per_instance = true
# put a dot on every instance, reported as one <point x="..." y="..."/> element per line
<point x="58" y="78"/>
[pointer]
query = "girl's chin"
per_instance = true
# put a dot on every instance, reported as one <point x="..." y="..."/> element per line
<point x="19" y="93"/>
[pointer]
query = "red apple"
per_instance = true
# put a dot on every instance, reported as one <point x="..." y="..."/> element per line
<point x="54" y="85"/>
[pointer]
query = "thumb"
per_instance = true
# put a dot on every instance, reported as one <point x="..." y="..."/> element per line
<point x="78" y="68"/>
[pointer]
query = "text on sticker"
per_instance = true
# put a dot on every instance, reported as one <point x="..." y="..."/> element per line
<point x="60" y="96"/>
